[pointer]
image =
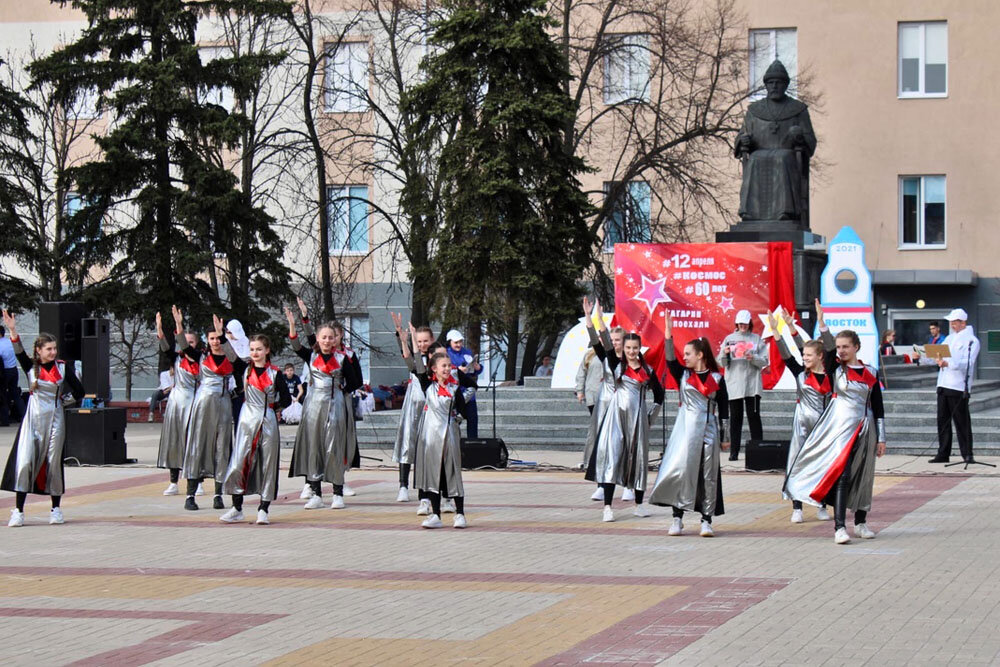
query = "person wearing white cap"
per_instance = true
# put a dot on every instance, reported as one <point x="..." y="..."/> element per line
<point x="744" y="356"/>
<point x="953" y="386"/>
<point x="463" y="359"/>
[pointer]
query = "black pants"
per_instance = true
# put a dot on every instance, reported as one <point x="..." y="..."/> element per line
<point x="471" y="420"/>
<point x="953" y="407"/>
<point x="679" y="514"/>
<point x="841" y="492"/>
<point x="20" y="497"/>
<point x="736" y="422"/>
<point x="404" y="475"/>
<point x="609" y="494"/>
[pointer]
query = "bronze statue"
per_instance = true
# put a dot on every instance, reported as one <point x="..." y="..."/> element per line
<point x="775" y="144"/>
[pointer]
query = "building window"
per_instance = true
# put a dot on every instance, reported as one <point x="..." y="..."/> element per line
<point x="921" y="211"/>
<point x="71" y="206"/>
<point x="84" y="106"/>
<point x="923" y="59"/>
<point x="358" y="339"/>
<point x="629" y="219"/>
<point x="346" y="88"/>
<point x="626" y="69"/>
<point x="220" y="95"/>
<point x="768" y="45"/>
<point x="348" y="218"/>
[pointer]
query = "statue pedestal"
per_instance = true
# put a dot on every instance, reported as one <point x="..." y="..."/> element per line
<point x="808" y="256"/>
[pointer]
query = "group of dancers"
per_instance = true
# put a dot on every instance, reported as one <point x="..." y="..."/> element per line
<point x="838" y="427"/>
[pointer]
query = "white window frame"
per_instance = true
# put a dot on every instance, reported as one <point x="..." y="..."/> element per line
<point x="344" y="100"/>
<point x="921" y="224"/>
<point x="223" y="96"/>
<point x="919" y="94"/>
<point x="757" y="91"/>
<point x="343" y="192"/>
<point x="628" y="212"/>
<point x="636" y="45"/>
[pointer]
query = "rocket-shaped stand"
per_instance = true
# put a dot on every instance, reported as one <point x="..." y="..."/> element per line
<point x="850" y="308"/>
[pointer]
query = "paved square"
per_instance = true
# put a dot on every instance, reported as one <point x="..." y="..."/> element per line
<point x="537" y="578"/>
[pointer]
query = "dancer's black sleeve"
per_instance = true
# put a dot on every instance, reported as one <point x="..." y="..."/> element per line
<point x="722" y="398"/>
<point x="73" y="382"/>
<point x="675" y="367"/>
<point x="790" y="362"/>
<point x="459" y="404"/>
<point x="878" y="407"/>
<point x="352" y="373"/>
<point x="23" y="359"/>
<point x="657" y="388"/>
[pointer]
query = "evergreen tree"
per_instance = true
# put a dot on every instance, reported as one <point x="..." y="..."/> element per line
<point x="15" y="248"/>
<point x="155" y="198"/>
<point x="515" y="239"/>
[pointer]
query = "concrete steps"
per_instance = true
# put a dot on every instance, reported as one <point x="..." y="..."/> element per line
<point x="536" y="416"/>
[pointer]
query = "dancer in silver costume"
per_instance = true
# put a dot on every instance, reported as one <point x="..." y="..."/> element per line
<point x="253" y="467"/>
<point x="326" y="443"/>
<point x="210" y="431"/>
<point x="690" y="476"/>
<point x="621" y="452"/>
<point x="438" y="448"/>
<point x="837" y="461"/>
<point x="420" y="339"/>
<point x="35" y="464"/>
<point x="606" y="340"/>
<point x="813" y="388"/>
<point x="177" y="416"/>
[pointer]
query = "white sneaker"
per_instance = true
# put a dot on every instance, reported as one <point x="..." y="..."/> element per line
<point x="447" y="506"/>
<point x="823" y="514"/>
<point x="199" y="491"/>
<point x="307" y="492"/>
<point x="676" y="526"/>
<point x="608" y="514"/>
<point x="403" y="496"/>
<point x="262" y="519"/>
<point x="706" y="529"/>
<point x="171" y="489"/>
<point x="797" y="516"/>
<point x="56" y="517"/>
<point x="337" y="503"/>
<point x="315" y="503"/>
<point x="433" y="521"/>
<point x="16" y="519"/>
<point x="348" y="491"/>
<point x="628" y="495"/>
<point x="641" y="510"/>
<point x="232" y="516"/>
<point x="597" y="495"/>
<point x="863" y="531"/>
<point x="459" y="521"/>
<point x="841" y="536"/>
<point x="425" y="507"/>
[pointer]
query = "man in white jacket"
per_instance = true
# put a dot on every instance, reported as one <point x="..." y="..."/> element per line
<point x="953" y="386"/>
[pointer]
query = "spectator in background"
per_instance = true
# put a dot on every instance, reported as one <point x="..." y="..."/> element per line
<point x="887" y="348"/>
<point x="463" y="359"/>
<point x="10" y="393"/>
<point x="935" y="338"/>
<point x="292" y="413"/>
<point x="544" y="369"/>
<point x="588" y="379"/>
<point x="161" y="393"/>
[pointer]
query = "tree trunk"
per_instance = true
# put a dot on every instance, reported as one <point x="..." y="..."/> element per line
<point x="530" y="354"/>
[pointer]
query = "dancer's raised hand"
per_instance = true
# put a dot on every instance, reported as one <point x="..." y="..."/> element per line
<point x="303" y="309"/>
<point x="10" y="323"/>
<point x="219" y="325"/>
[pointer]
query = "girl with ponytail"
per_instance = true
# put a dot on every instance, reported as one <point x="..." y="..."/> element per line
<point x="35" y="464"/>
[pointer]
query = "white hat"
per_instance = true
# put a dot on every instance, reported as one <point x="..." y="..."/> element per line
<point x="743" y="317"/>
<point x="957" y="314"/>
<point x="454" y="335"/>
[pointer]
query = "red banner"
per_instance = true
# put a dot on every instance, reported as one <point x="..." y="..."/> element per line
<point x="703" y="285"/>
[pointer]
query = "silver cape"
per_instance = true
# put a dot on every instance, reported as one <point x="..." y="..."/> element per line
<point x="605" y="394"/>
<point x="253" y="466"/>
<point x="177" y="416"/>
<point x="36" y="462"/>
<point x="689" y="477"/>
<point x="845" y="434"/>
<point x="810" y="403"/>
<point x="325" y="442"/>
<point x="210" y="430"/>
<point x="409" y="418"/>
<point x="439" y="444"/>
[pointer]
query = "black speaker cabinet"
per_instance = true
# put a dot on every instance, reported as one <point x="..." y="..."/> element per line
<point x="96" y="333"/>
<point x="767" y="454"/>
<point x="62" y="319"/>
<point x="95" y="436"/>
<point x="483" y="452"/>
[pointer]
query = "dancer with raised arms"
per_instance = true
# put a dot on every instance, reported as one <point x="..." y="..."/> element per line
<point x="180" y="403"/>
<point x="253" y="467"/>
<point x="35" y="464"/>
<point x="420" y="340"/>
<point x="813" y="387"/>
<point x="210" y="432"/>
<point x="325" y="443"/>
<point x="690" y="475"/>
<point x="836" y="463"/>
